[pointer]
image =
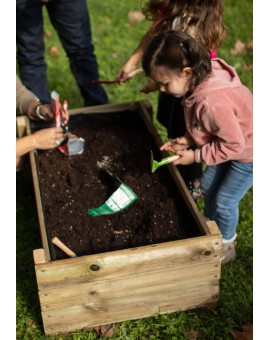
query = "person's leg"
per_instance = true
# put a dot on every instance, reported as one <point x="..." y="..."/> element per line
<point x="236" y="183"/>
<point x="71" y="20"/>
<point x="210" y="182"/>
<point x="30" y="48"/>
<point x="223" y="206"/>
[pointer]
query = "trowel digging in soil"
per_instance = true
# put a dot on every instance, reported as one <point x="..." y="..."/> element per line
<point x="122" y="198"/>
<point x="72" y="145"/>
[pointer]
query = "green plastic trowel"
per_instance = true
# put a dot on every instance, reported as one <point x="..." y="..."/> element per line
<point x="155" y="164"/>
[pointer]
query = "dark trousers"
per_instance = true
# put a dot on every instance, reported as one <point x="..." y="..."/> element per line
<point x="171" y="115"/>
<point x="70" y="19"/>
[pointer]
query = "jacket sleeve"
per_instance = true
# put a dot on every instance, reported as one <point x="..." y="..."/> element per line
<point x="24" y="97"/>
<point x="227" y="139"/>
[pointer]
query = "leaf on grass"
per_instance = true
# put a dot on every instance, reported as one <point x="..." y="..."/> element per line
<point x="47" y="33"/>
<point x="247" y="67"/>
<point x="54" y="52"/>
<point x="249" y="45"/>
<point x="105" y="330"/>
<point x="31" y="323"/>
<point x="246" y="334"/>
<point x="194" y="335"/>
<point x="136" y="15"/>
<point x="239" y="47"/>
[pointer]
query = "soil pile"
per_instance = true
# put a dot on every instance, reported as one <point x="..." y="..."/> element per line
<point x="72" y="185"/>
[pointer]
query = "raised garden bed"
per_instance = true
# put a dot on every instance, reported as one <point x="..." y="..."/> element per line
<point x="157" y="256"/>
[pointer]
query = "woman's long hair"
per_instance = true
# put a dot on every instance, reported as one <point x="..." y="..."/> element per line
<point x="202" y="19"/>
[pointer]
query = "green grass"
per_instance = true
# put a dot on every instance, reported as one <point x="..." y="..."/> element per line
<point x="115" y="37"/>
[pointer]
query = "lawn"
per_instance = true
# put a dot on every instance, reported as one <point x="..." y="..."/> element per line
<point x="115" y="36"/>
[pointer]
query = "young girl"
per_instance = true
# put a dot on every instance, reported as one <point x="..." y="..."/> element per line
<point x="203" y="20"/>
<point x="218" y="115"/>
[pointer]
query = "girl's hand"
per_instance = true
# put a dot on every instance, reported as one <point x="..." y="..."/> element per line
<point x="186" y="157"/>
<point x="128" y="71"/>
<point x="177" y="144"/>
<point x="48" y="138"/>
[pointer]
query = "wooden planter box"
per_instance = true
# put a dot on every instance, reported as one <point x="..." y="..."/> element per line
<point x="127" y="284"/>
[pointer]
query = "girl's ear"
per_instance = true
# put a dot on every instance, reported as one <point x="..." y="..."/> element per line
<point x="187" y="72"/>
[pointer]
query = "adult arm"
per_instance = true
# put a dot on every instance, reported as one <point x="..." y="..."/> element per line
<point x="128" y="70"/>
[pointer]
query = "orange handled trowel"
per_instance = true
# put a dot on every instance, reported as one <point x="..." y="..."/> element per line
<point x="72" y="145"/>
<point x="63" y="247"/>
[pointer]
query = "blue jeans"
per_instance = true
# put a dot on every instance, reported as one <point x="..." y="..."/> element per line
<point x="223" y="186"/>
<point x="70" y="19"/>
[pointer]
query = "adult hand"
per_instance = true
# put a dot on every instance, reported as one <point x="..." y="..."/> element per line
<point x="48" y="138"/>
<point x="45" y="111"/>
<point x="38" y="110"/>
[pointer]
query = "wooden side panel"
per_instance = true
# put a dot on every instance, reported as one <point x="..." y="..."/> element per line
<point x="164" y="280"/>
<point x="38" y="200"/>
<point x="107" y="266"/>
<point x="99" y="312"/>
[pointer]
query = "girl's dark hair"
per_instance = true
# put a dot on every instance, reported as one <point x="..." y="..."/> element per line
<point x="174" y="50"/>
<point x="203" y="19"/>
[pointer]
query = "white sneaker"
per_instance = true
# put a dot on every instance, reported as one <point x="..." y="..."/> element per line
<point x="228" y="253"/>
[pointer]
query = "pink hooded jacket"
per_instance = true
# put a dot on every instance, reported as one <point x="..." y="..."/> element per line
<point x="219" y="118"/>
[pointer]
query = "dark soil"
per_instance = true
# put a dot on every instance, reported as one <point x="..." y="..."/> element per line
<point x="72" y="185"/>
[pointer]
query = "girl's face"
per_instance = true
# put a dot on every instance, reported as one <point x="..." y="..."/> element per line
<point x="175" y="84"/>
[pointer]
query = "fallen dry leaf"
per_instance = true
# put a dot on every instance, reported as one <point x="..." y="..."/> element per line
<point x="193" y="335"/>
<point x="105" y="330"/>
<point x="47" y="33"/>
<point x="54" y="52"/>
<point x="31" y="323"/>
<point x="247" y="67"/>
<point x="249" y="45"/>
<point x="246" y="334"/>
<point x="239" y="47"/>
<point x="137" y="16"/>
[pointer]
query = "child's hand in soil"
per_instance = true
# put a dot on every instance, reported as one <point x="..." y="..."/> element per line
<point x="48" y="138"/>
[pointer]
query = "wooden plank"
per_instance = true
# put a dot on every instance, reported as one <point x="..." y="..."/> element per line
<point x="129" y="308"/>
<point x="21" y="126"/>
<point x="70" y="272"/>
<point x="165" y="280"/>
<point x="39" y="256"/>
<point x="38" y="200"/>
<point x="106" y="108"/>
<point x="213" y="227"/>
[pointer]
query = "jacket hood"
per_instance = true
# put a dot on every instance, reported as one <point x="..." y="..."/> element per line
<point x="223" y="76"/>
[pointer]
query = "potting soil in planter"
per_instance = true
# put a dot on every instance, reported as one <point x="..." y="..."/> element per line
<point x="70" y="186"/>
